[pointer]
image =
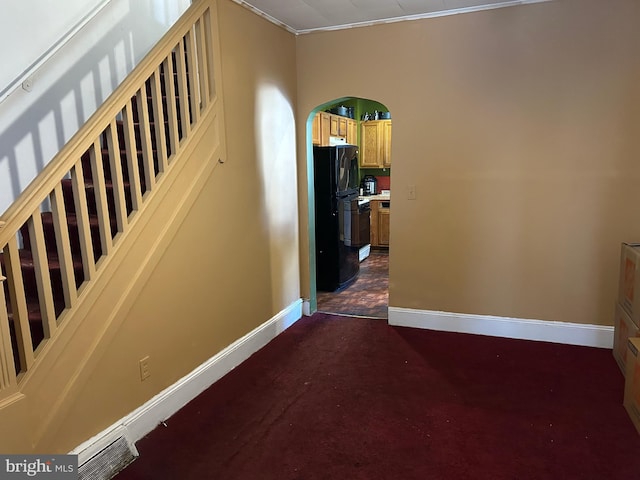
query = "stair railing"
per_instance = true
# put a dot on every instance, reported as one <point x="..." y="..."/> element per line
<point x="58" y="233"/>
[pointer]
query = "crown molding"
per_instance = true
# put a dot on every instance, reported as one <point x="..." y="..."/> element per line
<point x="441" y="13"/>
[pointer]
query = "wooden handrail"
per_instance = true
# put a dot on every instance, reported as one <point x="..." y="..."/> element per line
<point x="40" y="188"/>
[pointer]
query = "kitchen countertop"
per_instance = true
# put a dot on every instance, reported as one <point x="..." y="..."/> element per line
<point x="380" y="196"/>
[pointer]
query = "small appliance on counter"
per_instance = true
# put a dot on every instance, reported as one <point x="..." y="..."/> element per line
<point x="369" y="185"/>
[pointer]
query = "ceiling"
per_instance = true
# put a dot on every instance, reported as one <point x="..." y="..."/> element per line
<point x="304" y="16"/>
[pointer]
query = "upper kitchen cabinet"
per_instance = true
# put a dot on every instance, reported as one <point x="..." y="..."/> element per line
<point x="315" y="130"/>
<point x="327" y="125"/>
<point x="386" y="143"/>
<point x="352" y="131"/>
<point x="375" y="144"/>
<point x="338" y="126"/>
<point x="320" y="129"/>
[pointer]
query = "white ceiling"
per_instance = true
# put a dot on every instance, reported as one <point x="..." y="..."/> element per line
<point x="304" y="16"/>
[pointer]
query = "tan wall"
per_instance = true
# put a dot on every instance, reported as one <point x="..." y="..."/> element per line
<point x="518" y="127"/>
<point x="233" y="264"/>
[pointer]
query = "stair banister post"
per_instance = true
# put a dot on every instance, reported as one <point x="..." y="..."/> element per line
<point x="8" y="380"/>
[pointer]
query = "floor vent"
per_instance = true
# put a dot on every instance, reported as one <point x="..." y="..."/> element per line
<point x="109" y="461"/>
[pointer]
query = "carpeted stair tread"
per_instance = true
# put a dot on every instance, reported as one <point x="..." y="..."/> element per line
<point x="27" y="266"/>
<point x="27" y="261"/>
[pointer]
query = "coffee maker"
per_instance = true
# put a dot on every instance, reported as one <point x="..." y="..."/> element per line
<point x="369" y="185"/>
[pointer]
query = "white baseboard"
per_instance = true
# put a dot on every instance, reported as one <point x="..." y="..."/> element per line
<point x="520" y="328"/>
<point x="306" y="308"/>
<point x="147" y="417"/>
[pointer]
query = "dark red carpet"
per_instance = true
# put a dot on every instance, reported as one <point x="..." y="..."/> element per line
<point x="353" y="398"/>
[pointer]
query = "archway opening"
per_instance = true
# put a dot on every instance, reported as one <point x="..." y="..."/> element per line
<point x="349" y="201"/>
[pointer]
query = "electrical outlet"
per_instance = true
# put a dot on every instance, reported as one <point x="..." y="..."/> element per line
<point x="411" y="192"/>
<point x="144" y="368"/>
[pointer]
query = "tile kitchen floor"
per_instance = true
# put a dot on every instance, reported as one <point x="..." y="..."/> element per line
<point x="368" y="296"/>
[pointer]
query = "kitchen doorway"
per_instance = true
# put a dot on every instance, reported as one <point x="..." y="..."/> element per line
<point x="367" y="125"/>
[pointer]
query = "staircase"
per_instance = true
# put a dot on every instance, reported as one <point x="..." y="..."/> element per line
<point x="98" y="175"/>
<point x="68" y="225"/>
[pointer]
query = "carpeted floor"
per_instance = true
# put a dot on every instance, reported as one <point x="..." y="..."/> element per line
<point x="353" y="398"/>
<point x="368" y="296"/>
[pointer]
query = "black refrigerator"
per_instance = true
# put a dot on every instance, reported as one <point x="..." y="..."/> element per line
<point x="336" y="204"/>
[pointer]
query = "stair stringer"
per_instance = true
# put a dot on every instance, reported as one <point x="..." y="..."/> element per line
<point x="64" y="365"/>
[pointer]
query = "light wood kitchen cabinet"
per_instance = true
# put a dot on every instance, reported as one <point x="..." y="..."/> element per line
<point x="325" y="122"/>
<point x="327" y="125"/>
<point x="321" y="129"/>
<point x="316" y="136"/>
<point x="375" y="144"/>
<point x="369" y="145"/>
<point x="386" y="143"/>
<point x="333" y="126"/>
<point x="383" y="226"/>
<point x="379" y="227"/>
<point x="342" y="127"/>
<point x="352" y="131"/>
<point x="338" y="126"/>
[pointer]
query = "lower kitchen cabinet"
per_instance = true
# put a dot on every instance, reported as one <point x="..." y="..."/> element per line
<point x="383" y="226"/>
<point x="380" y="215"/>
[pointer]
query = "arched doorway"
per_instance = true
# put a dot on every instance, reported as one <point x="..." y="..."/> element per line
<point x="332" y="128"/>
